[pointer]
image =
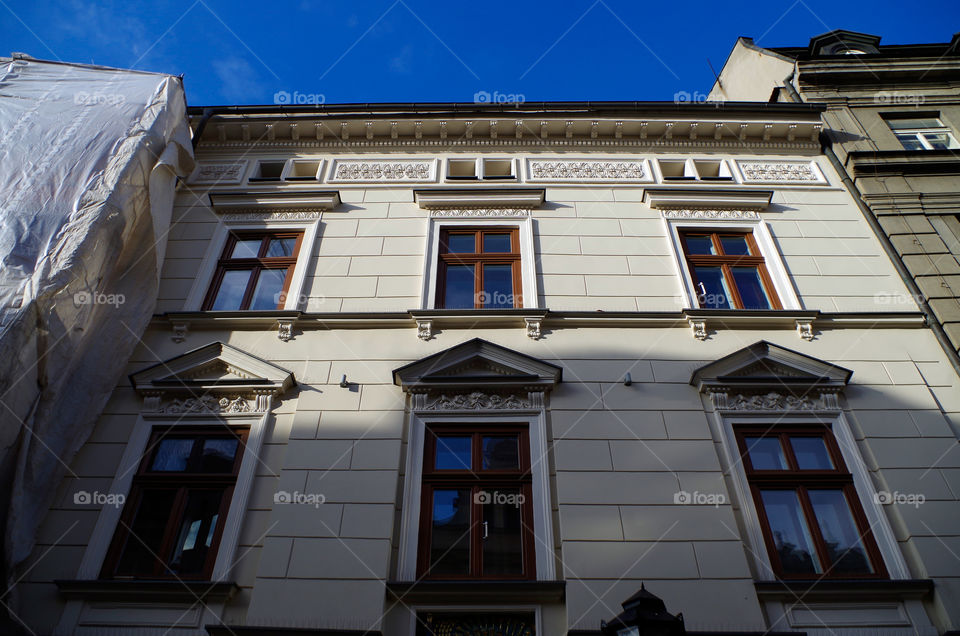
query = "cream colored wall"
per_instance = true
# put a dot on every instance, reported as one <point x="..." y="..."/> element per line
<point x="618" y="454"/>
<point x="749" y="75"/>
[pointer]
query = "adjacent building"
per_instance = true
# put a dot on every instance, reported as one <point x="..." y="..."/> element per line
<point x="892" y="119"/>
<point x="473" y="369"/>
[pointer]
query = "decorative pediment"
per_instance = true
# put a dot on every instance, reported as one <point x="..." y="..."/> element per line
<point x="215" y="368"/>
<point x="477" y="365"/>
<point x="768" y="377"/>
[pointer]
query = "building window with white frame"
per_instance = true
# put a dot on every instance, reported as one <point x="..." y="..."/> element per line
<point x="728" y="270"/>
<point x="810" y="514"/>
<point x="479" y="268"/>
<point x="174" y="517"/>
<point x="922" y="133"/>
<point x="477" y="517"/>
<point x="254" y="271"/>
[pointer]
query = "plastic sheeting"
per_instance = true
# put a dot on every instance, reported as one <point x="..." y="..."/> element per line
<point x="88" y="163"/>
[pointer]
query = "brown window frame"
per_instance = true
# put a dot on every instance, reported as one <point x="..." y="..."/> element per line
<point x="793" y="478"/>
<point x="725" y="262"/>
<point x="184" y="483"/>
<point x="478" y="259"/>
<point x="256" y="264"/>
<point x="476" y="479"/>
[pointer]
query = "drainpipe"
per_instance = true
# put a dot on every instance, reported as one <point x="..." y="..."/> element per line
<point x="888" y="247"/>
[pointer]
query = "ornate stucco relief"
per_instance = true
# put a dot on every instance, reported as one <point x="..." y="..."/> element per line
<point x="766" y="171"/>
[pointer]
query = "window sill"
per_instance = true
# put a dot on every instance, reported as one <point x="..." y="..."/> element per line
<point x="844" y="590"/>
<point x="147" y="590"/>
<point x="512" y="592"/>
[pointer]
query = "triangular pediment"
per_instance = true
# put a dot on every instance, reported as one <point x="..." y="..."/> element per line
<point x="212" y="367"/>
<point x="477" y="363"/>
<point x="765" y="364"/>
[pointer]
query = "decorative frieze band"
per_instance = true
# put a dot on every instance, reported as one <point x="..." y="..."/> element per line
<point x="711" y="215"/>
<point x="479" y="212"/>
<point x="779" y="171"/>
<point x="775" y="401"/>
<point x="225" y="173"/>
<point x="573" y="170"/>
<point x="287" y="215"/>
<point x="393" y="171"/>
<point x="473" y="401"/>
<point x="206" y="404"/>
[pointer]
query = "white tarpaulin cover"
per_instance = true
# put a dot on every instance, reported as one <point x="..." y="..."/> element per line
<point x="88" y="163"/>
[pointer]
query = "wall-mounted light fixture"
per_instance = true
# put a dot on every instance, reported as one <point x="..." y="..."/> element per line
<point x="343" y="381"/>
<point x="627" y="380"/>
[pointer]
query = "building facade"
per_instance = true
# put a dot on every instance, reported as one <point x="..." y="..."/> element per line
<point x="892" y="119"/>
<point x="461" y="369"/>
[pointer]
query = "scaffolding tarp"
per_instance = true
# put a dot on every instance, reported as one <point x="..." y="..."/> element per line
<point x="89" y="158"/>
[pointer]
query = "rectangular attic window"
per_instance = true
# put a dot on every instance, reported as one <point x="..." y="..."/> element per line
<point x="303" y="171"/>
<point x="268" y="171"/>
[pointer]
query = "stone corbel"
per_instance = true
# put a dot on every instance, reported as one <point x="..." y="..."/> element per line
<point x="699" y="327"/>
<point x="424" y="329"/>
<point x="533" y="327"/>
<point x="805" y="329"/>
<point x="180" y="329"/>
<point x="285" y="329"/>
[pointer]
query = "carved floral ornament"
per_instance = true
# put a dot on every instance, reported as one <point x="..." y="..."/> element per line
<point x="233" y="404"/>
<point x="383" y="171"/>
<point x="778" y="171"/>
<point x="479" y="212"/>
<point x="774" y="401"/>
<point x="475" y="401"/>
<point x="587" y="170"/>
<point x="707" y="214"/>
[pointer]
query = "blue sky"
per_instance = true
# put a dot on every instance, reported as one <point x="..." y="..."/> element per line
<point x="235" y="52"/>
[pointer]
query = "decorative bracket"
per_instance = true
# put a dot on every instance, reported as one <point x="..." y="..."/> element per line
<point x="805" y="329"/>
<point x="180" y="331"/>
<point x="533" y="327"/>
<point x="285" y="329"/>
<point x="425" y="329"/>
<point x="699" y="327"/>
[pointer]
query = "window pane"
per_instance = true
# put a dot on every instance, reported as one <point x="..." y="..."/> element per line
<point x="172" y="454"/>
<point x="196" y="531"/>
<point x="921" y="122"/>
<point x="498" y="287"/>
<point x="735" y="245"/>
<point x="910" y="141"/>
<point x="700" y="244"/>
<point x="450" y="539"/>
<point x="281" y="246"/>
<point x="790" y="532"/>
<point x="502" y="543"/>
<point x="461" y="243"/>
<point x="453" y="453"/>
<point x="811" y="453"/>
<point x="939" y="141"/>
<point x="232" y="287"/>
<point x="750" y="287"/>
<point x="459" y="290"/>
<point x="846" y="551"/>
<point x="501" y="453"/>
<point x="146" y="533"/>
<point x="246" y="248"/>
<point x="218" y="455"/>
<point x="496" y="243"/>
<point x="267" y="293"/>
<point x="765" y="453"/>
<point x="712" y="290"/>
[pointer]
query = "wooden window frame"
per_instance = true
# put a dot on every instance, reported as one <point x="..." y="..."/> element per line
<point x="478" y="259"/>
<point x="476" y="479"/>
<point x="183" y="483"/>
<point x="797" y="480"/>
<point x="255" y="264"/>
<point x="725" y="262"/>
